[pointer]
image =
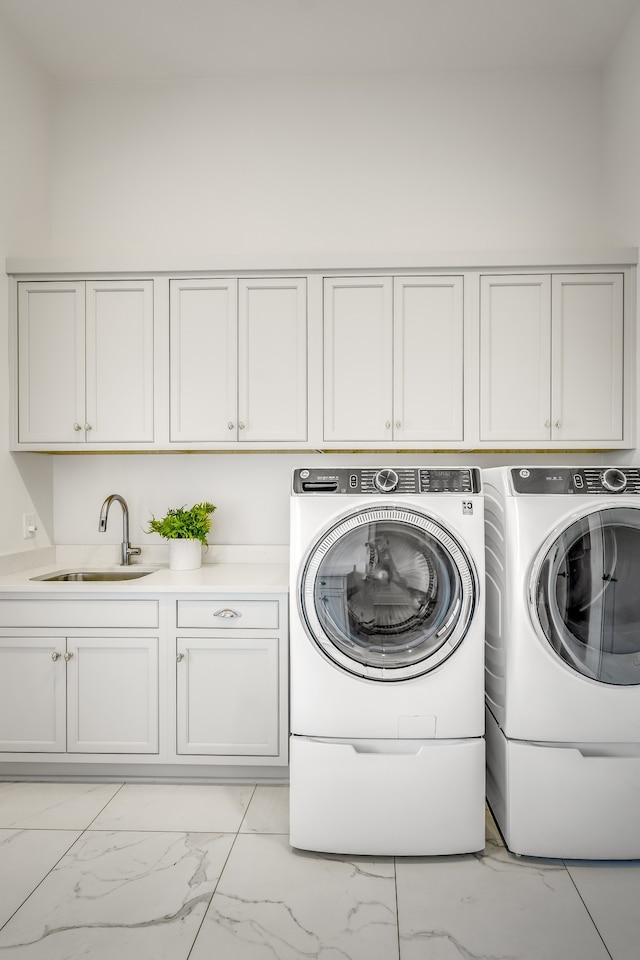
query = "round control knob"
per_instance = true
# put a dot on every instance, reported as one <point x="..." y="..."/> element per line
<point x="614" y="480"/>
<point x="386" y="480"/>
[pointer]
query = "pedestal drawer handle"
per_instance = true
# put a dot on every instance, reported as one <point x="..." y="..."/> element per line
<point x="226" y="613"/>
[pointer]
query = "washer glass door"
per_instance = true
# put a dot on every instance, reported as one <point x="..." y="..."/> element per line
<point x="585" y="595"/>
<point x="387" y="593"/>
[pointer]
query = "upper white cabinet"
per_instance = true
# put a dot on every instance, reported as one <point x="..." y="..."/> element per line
<point x="393" y="359"/>
<point x="551" y="359"/>
<point x="238" y="361"/>
<point x="85" y="363"/>
<point x="536" y="356"/>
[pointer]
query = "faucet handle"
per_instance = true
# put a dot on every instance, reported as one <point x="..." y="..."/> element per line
<point x="128" y="551"/>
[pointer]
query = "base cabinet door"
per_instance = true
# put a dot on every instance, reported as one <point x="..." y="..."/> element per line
<point x="79" y="695"/>
<point x="228" y="696"/>
<point x="112" y="695"/>
<point x="32" y="695"/>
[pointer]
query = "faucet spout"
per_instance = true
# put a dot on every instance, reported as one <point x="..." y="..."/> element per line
<point x="126" y="550"/>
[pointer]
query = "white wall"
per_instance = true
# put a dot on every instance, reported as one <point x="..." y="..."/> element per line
<point x="621" y="139"/>
<point x="250" y="491"/>
<point x="349" y="164"/>
<point x="25" y="198"/>
<point x="621" y="152"/>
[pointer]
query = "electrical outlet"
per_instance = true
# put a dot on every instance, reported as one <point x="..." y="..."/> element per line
<point x="29" y="525"/>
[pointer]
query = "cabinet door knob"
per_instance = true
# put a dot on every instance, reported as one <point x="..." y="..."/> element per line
<point x="77" y="427"/>
<point x="226" y="613"/>
<point x="180" y="657"/>
<point x="56" y="655"/>
<point x="547" y="423"/>
<point x="398" y="424"/>
<point x="241" y="425"/>
<point x="557" y="423"/>
<point x="87" y="426"/>
<point x="68" y="656"/>
<point x="230" y="425"/>
<point x="387" y="424"/>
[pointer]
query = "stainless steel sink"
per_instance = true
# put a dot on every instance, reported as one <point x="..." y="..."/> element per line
<point x="91" y="576"/>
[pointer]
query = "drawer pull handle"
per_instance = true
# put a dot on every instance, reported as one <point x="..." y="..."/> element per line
<point x="227" y="614"/>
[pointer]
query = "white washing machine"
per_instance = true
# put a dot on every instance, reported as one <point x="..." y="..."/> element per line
<point x="563" y="659"/>
<point x="387" y="753"/>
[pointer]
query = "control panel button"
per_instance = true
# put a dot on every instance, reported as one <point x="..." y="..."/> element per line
<point x="386" y="480"/>
<point x="614" y="480"/>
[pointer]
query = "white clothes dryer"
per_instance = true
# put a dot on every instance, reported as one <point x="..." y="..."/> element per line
<point x="563" y="659"/>
<point x="387" y="749"/>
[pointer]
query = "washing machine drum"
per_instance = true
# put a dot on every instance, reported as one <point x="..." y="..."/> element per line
<point x="387" y="594"/>
<point x="585" y="595"/>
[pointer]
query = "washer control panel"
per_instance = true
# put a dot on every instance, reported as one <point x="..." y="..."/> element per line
<point x="576" y="480"/>
<point x="386" y="480"/>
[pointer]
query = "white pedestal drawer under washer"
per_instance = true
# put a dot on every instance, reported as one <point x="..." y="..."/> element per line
<point x="387" y="637"/>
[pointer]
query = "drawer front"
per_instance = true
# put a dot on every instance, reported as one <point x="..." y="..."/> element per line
<point x="78" y="613"/>
<point x="229" y="614"/>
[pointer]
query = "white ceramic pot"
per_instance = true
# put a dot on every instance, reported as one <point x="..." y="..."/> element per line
<point x="185" y="554"/>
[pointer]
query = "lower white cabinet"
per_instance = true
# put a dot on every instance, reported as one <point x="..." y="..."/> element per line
<point x="166" y="680"/>
<point x="80" y="695"/>
<point x="227" y="696"/>
<point x="232" y="679"/>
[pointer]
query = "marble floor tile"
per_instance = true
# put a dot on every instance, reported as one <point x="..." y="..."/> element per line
<point x="53" y="806"/>
<point x="206" y="808"/>
<point x="268" y="811"/>
<point x="611" y="894"/>
<point x="26" y="857"/>
<point x="492" y="905"/>
<point x="130" y="896"/>
<point x="274" y="903"/>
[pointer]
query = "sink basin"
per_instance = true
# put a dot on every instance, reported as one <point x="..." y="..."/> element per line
<point x="92" y="576"/>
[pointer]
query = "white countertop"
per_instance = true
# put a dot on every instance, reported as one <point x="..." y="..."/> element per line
<point x="209" y="578"/>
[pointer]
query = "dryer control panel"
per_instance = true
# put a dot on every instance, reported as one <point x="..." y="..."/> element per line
<point x="386" y="480"/>
<point x="576" y="480"/>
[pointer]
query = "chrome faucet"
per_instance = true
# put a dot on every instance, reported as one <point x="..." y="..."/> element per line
<point x="126" y="550"/>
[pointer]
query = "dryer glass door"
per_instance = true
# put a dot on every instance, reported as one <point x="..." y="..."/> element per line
<point x="387" y="594"/>
<point x="585" y="595"/>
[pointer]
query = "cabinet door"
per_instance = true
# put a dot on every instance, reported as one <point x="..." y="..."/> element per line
<point x="204" y="360"/>
<point x="272" y="360"/>
<point x="428" y="358"/>
<point x="358" y="359"/>
<point x="119" y="362"/>
<point x="32" y="695"/>
<point x="515" y="358"/>
<point x="112" y="695"/>
<point x="587" y="349"/>
<point x="51" y="362"/>
<point x="227" y="696"/>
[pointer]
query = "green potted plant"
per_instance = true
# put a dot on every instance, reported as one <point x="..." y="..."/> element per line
<point x="186" y="530"/>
